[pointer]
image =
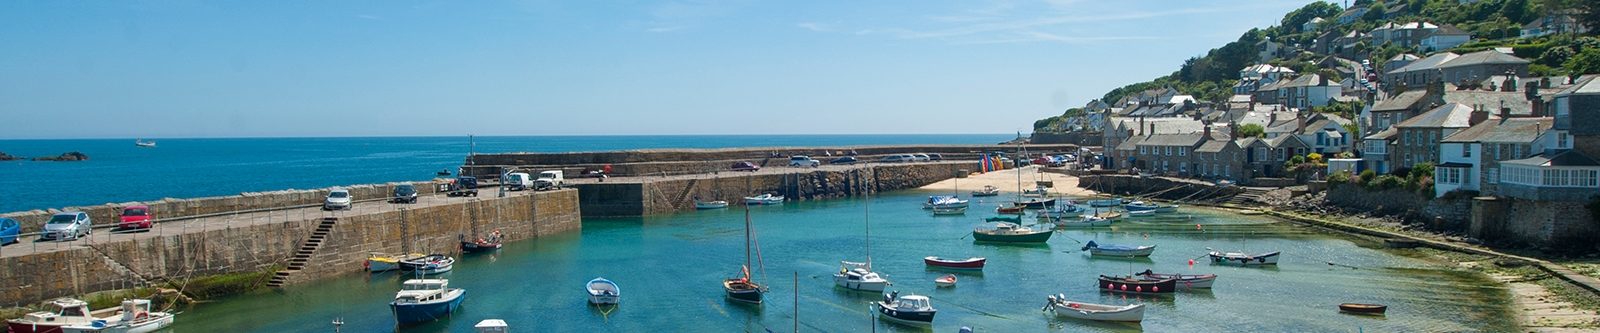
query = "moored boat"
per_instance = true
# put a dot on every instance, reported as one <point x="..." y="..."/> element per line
<point x="987" y="191"/>
<point x="1141" y="206"/>
<point x="764" y="199"/>
<point x="1185" y="281"/>
<point x="378" y="262"/>
<point x="908" y="309"/>
<point x="714" y="204"/>
<point x="1118" y="250"/>
<point x="1039" y="191"/>
<point x="481" y="244"/>
<point x="1006" y="232"/>
<point x="424" y="300"/>
<point x="1134" y="284"/>
<point x="429" y="264"/>
<point x="944" y="201"/>
<point x="1104" y="203"/>
<point x="1374" y="309"/>
<point x="1243" y="259"/>
<point x="1012" y="219"/>
<point x="968" y="263"/>
<point x="603" y="292"/>
<point x="136" y="317"/>
<point x="1087" y="221"/>
<point x="1098" y="312"/>
<point x="949" y="211"/>
<point x="742" y="288"/>
<point x="146" y="144"/>
<point x="859" y="276"/>
<point x="1013" y="209"/>
<point x="1038" y="203"/>
<point x="946" y="281"/>
<point x="63" y="312"/>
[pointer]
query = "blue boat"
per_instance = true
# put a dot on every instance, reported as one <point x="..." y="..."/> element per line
<point x="424" y="300"/>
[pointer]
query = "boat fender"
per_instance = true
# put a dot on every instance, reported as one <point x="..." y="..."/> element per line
<point x="1124" y="287"/>
<point x="366" y="265"/>
<point x="1262" y="260"/>
<point x="1138" y="289"/>
<point x="1155" y="289"/>
<point x="1109" y="286"/>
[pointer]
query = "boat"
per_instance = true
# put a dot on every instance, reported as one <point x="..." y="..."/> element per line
<point x="1105" y="203"/>
<point x="714" y="204"/>
<point x="1141" y="206"/>
<point x="491" y="326"/>
<point x="1012" y="219"/>
<point x="1107" y="215"/>
<point x="1240" y="258"/>
<point x="1200" y="281"/>
<point x="1087" y="221"/>
<point x="1013" y="209"/>
<point x="1038" y="203"/>
<point x="429" y="264"/>
<point x="378" y="262"/>
<point x="742" y="288"/>
<point x="1137" y="213"/>
<point x="1006" y="232"/>
<point x="946" y="281"/>
<point x="63" y="312"/>
<point x="1376" y="309"/>
<point x="1068" y="209"/>
<point x="603" y="292"/>
<point x="145" y="144"/>
<point x="908" y="309"/>
<point x="975" y="263"/>
<point x="949" y="211"/>
<point x="764" y="199"/>
<point x="481" y="244"/>
<point x="136" y="317"/>
<point x="944" y="201"/>
<point x="1118" y="250"/>
<point x="424" y="300"/>
<point x="443" y="172"/>
<point x="1134" y="284"/>
<point x="1039" y="191"/>
<point x="987" y="191"/>
<point x="859" y="276"/>
<point x="1097" y="312"/>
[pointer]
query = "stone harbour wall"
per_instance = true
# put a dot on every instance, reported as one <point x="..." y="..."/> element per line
<point x="106" y="214"/>
<point x="1158" y="187"/>
<point x="672" y="195"/>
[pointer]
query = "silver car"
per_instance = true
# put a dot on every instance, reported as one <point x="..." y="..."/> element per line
<point x="67" y="225"/>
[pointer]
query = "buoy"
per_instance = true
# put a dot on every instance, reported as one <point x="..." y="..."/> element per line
<point x="1191" y="262"/>
<point x="1197" y="227"/>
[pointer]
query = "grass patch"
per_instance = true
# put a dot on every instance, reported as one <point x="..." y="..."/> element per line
<point x="216" y="286"/>
<point x="1567" y="292"/>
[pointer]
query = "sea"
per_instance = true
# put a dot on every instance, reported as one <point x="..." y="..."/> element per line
<point x="118" y="171"/>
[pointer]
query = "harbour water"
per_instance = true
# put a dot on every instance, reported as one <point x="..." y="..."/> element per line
<point x="117" y="171"/>
<point x="670" y="268"/>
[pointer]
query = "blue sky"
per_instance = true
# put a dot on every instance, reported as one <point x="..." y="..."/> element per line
<point x="93" y="69"/>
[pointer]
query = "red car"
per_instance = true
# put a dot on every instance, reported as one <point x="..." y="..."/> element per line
<point x="135" y="217"/>
<point x="745" y="166"/>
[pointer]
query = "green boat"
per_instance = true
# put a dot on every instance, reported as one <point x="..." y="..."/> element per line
<point x="1012" y="219"/>
<point x="1010" y="233"/>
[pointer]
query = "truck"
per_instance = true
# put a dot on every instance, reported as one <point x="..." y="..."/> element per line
<point x="462" y="186"/>
<point x="517" y="181"/>
<point x="549" y="180"/>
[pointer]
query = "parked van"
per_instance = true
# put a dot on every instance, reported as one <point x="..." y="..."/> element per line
<point x="517" y="181"/>
<point x="550" y="179"/>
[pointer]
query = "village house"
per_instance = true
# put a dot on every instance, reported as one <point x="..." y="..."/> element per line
<point x="1351" y="15"/>
<point x="1443" y="38"/>
<point x="1552" y="24"/>
<point x="1166" y="154"/>
<point x="1565" y="169"/>
<point x="1399" y="60"/>
<point x="1308" y="91"/>
<point x="1219" y="158"/>
<point x="1417" y="73"/>
<point x="1376" y="148"/>
<point x="1123" y="134"/>
<point x="1417" y="139"/>
<point x="1470" y="159"/>
<point x="1476" y="66"/>
<point x="1265" y="157"/>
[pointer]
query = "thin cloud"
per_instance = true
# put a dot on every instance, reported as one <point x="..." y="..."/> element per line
<point x="814" y="26"/>
<point x="664" y="29"/>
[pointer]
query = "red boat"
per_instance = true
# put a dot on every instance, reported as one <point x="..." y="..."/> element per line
<point x="1376" y="309"/>
<point x="63" y="312"/>
<point x="968" y="263"/>
<point x="1014" y="209"/>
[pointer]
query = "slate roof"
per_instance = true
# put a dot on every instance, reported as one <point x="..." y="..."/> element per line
<point x="1131" y="144"/>
<point x="1431" y="62"/>
<point x="1452" y="115"/>
<point x="1586" y="85"/>
<point x="1486" y="57"/>
<point x="1212" y="146"/>
<point x="1385" y="134"/>
<point x="1512" y="130"/>
<point x="1491" y="101"/>
<point x="1403" y="101"/>
<point x="1404" y="57"/>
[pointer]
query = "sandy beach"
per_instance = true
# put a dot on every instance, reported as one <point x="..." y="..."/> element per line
<point x="1006" y="180"/>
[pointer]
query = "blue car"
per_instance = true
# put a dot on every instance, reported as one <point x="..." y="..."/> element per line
<point x="9" y="229"/>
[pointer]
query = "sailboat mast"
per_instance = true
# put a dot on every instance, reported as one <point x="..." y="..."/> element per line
<point x="867" y="213"/>
<point x="747" y="241"/>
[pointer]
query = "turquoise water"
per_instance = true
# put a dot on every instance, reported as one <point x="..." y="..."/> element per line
<point x="117" y="171"/>
<point x="670" y="269"/>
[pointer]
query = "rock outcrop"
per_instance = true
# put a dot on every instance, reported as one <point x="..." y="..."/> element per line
<point x="66" y="157"/>
<point x="6" y="157"/>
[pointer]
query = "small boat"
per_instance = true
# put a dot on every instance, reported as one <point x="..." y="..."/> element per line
<point x="64" y="312"/>
<point x="1006" y="232"/>
<point x="764" y="199"/>
<point x="715" y="204"/>
<point x="1141" y="206"/>
<point x="443" y="172"/>
<point x="1105" y="203"/>
<point x="1098" y="312"/>
<point x="1108" y="215"/>
<point x="1012" y="209"/>
<point x="491" y="326"/>
<point x="481" y="244"/>
<point x="429" y="264"/>
<point x="1201" y="281"/>
<point x="946" y="281"/>
<point x="377" y="262"/>
<point x="1012" y="219"/>
<point x="145" y="144"/>
<point x="424" y="300"/>
<point x="859" y="276"/>
<point x="987" y="191"/>
<point x="1140" y="213"/>
<point x="944" y="201"/>
<point x="1118" y="250"/>
<point x="949" y="211"/>
<point x="1088" y="221"/>
<point x="909" y="309"/>
<point x="968" y="263"/>
<point x="1134" y="284"/>
<point x="603" y="292"/>
<point x="1038" y="203"/>
<point x="1040" y="191"/>
<point x="1240" y="258"/>
<point x="1376" y="309"/>
<point x="742" y="288"/>
<point x="136" y="318"/>
<point x="1069" y="209"/>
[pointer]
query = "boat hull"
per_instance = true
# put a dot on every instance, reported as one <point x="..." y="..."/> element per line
<point x="985" y="194"/>
<point x="1133" y="313"/>
<point x="1187" y="281"/>
<point x="738" y="290"/>
<point x="888" y="312"/>
<point x="16" y="327"/>
<point x="860" y="285"/>
<point x="970" y="263"/>
<point x="1143" y="251"/>
<point x="160" y="321"/>
<point x="405" y="314"/>
<point x="474" y="247"/>
<point x="1373" y="309"/>
<point x="1137" y="286"/>
<point x="711" y="205"/>
<point x="599" y="296"/>
<point x="1039" y="203"/>
<point x="1038" y="237"/>
<point x="1244" y="260"/>
<point x="382" y="266"/>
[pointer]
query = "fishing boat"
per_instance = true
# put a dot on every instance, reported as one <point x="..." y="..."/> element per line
<point x="136" y="317"/>
<point x="1039" y="191"/>
<point x="908" y="309"/>
<point x="1038" y="203"/>
<point x="145" y="144"/>
<point x="714" y="204"/>
<point x="1105" y="203"/>
<point x="63" y="312"/>
<point x="424" y="300"/>
<point x="1006" y="232"/>
<point x="481" y="244"/>
<point x="859" y="276"/>
<point x="1087" y="221"/>
<point x="1141" y="206"/>
<point x="975" y="263"/>
<point x="1359" y="308"/>
<point x="1134" y="284"/>
<point x="742" y="288"/>
<point x="1200" y="281"/>
<point x="949" y="211"/>
<point x="1118" y="250"/>
<point x="429" y="264"/>
<point x="378" y="262"/>
<point x="944" y="201"/>
<point x="764" y="199"/>
<point x="987" y="191"/>
<point x="946" y="281"/>
<point x="1240" y="258"/>
<point x="603" y="292"/>
<point x="1097" y="312"/>
<point x="1065" y="210"/>
<point x="1013" y="209"/>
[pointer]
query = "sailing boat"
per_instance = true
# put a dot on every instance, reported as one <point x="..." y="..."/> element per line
<point x="859" y="275"/>
<point x="742" y="288"/>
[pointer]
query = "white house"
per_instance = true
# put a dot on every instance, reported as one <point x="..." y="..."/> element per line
<point x="1445" y="37"/>
<point x="1312" y="24"/>
<point x="1458" y="163"/>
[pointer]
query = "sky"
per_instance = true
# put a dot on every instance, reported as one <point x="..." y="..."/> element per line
<point x="162" y="69"/>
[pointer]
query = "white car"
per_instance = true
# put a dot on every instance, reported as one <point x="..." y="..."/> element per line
<point x="803" y="161"/>
<point x="337" y="199"/>
<point x="919" y="157"/>
<point x="896" y="159"/>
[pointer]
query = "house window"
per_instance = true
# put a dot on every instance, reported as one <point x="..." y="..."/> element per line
<point x="1181" y="152"/>
<point x="1516" y="151"/>
<point x="1141" y="149"/>
<point x="1561" y="140"/>
<point x="1466" y="151"/>
<point x="1169" y="151"/>
<point x="1493" y="175"/>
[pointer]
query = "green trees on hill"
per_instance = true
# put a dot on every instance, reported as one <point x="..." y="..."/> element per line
<point x="1252" y="131"/>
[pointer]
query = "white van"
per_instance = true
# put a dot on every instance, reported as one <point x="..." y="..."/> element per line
<point x="517" y="181"/>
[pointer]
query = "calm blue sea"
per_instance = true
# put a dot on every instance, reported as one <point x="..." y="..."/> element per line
<point x="182" y="168"/>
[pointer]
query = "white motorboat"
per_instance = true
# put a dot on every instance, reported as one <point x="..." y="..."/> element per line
<point x="764" y="199"/>
<point x="63" y="312"/>
<point x="859" y="276"/>
<point x="425" y="300"/>
<point x="949" y="211"/>
<point x="145" y="144"/>
<point x="1243" y="259"/>
<point x="716" y="204"/>
<point x="1118" y="250"/>
<point x="1185" y="281"/>
<point x="1039" y="191"/>
<point x="946" y="281"/>
<point x="1098" y="312"/>
<point x="429" y="264"/>
<point x="1087" y="221"/>
<point x="602" y="292"/>
<point x="136" y="318"/>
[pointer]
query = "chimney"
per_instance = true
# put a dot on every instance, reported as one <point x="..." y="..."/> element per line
<point x="1299" y="124"/>
<point x="1141" y="123"/>
<point x="1273" y="118"/>
<point x="1233" y="130"/>
<point x="1152" y="130"/>
<point x="1478" y="116"/>
<point x="1207" y="133"/>
<point x="1505" y="112"/>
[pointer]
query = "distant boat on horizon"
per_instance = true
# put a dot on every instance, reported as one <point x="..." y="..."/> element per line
<point x="146" y="144"/>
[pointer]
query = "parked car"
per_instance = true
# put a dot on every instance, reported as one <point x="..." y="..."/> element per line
<point x="894" y="159"/>
<point x="745" y="166"/>
<point x="9" y="229"/>
<point x="844" y="160"/>
<point x="338" y="198"/>
<point x="935" y="157"/>
<point x="462" y="186"/>
<point x="551" y="179"/>
<point x="803" y="161"/>
<point x="66" y="225"/>
<point x="135" y="217"/>
<point x="404" y="193"/>
<point x="920" y="157"/>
